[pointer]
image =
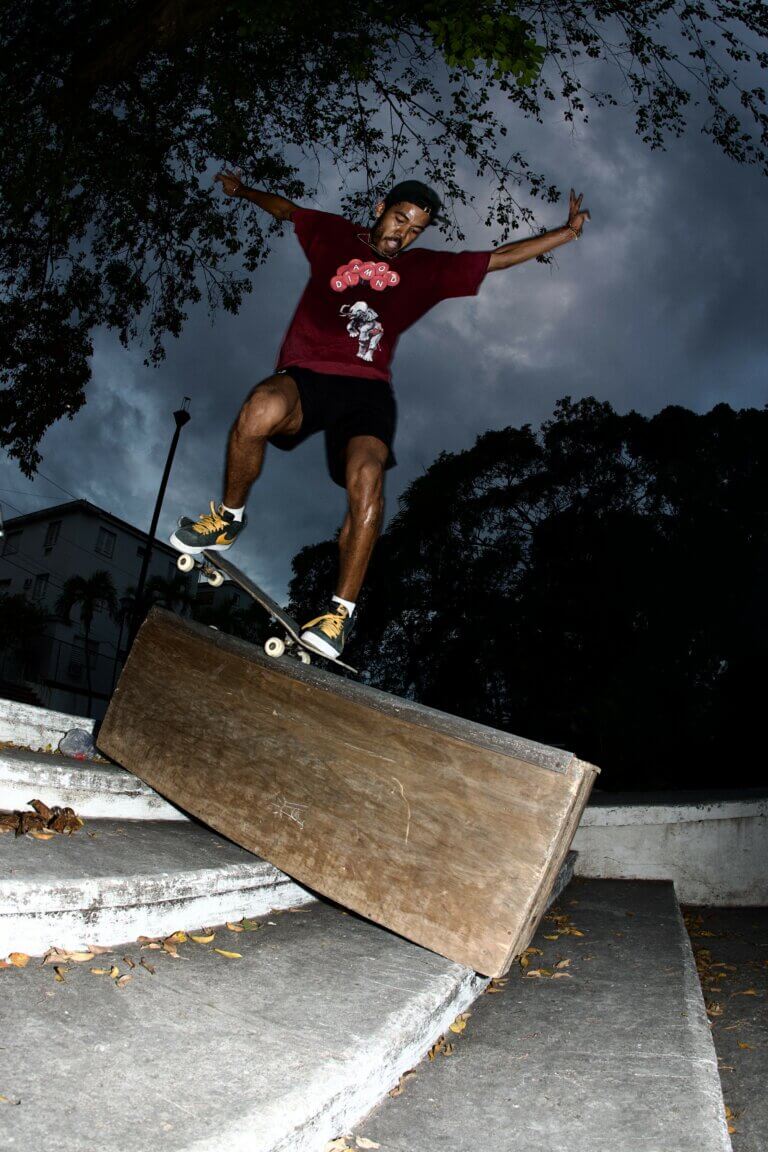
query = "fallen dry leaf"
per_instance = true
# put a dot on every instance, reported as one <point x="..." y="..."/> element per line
<point x="251" y="925"/>
<point x="748" y="1047"/>
<point x="229" y="955"/>
<point x="562" y="976"/>
<point x="448" y="1050"/>
<point x="533" y="952"/>
<point x="100" y="971"/>
<point x="204" y="939"/>
<point x="149" y="967"/>
<point x="127" y="960"/>
<point x="458" y="1026"/>
<point x="114" y="971"/>
<point x="364" y="1142"/>
<point x="176" y="938"/>
<point x="123" y="980"/>
<point x="563" y="964"/>
<point x="58" y="972"/>
<point x="42" y="835"/>
<point x="235" y="927"/>
<point x="18" y="959"/>
<point x="746" y="992"/>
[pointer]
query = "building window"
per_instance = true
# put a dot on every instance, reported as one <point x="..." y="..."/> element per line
<point x="41" y="586"/>
<point x="52" y="534"/>
<point x="105" y="543"/>
<point x="11" y="546"/>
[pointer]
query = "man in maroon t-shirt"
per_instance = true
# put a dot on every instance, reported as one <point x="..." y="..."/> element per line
<point x="333" y="372"/>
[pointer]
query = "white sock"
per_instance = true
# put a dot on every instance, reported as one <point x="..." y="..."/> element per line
<point x="348" y="604"/>
<point x="236" y="512"/>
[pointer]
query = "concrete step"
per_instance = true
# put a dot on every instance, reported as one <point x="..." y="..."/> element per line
<point x="93" y="788"/>
<point x="277" y="1051"/>
<point x="39" y="728"/>
<point x="616" y="1055"/>
<point x="115" y="880"/>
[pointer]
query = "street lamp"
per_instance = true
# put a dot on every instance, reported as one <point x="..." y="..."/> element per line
<point x="182" y="417"/>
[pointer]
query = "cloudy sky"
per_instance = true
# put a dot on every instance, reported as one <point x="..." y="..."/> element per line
<point x="662" y="301"/>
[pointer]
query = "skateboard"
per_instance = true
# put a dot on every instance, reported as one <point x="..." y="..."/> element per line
<point x="216" y="570"/>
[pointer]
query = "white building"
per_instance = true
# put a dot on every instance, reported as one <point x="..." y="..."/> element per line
<point x="38" y="553"/>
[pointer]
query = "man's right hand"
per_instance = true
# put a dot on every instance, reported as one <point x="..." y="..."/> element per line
<point x="230" y="182"/>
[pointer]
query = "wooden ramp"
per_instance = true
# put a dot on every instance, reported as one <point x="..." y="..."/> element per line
<point x="446" y="832"/>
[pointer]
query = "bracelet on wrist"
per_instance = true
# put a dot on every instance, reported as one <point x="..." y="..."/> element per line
<point x="572" y="229"/>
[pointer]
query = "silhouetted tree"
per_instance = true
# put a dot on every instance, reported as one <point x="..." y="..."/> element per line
<point x="114" y="112"/>
<point x="598" y="584"/>
<point x="91" y="594"/>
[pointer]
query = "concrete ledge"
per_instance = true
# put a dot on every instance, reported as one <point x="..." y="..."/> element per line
<point x="713" y="845"/>
<point x="94" y="790"/>
<point x="37" y="728"/>
<point x="616" y="1057"/>
<point x="112" y="882"/>
<point x="279" y="1050"/>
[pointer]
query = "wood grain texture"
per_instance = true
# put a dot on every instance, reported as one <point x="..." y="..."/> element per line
<point x="446" y="832"/>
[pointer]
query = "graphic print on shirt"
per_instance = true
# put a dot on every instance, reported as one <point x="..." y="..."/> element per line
<point x="363" y="322"/>
<point x="364" y="325"/>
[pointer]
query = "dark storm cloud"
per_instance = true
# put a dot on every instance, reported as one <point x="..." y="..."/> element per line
<point x="662" y="301"/>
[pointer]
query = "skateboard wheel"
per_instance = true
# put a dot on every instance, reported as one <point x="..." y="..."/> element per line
<point x="305" y="657"/>
<point x="185" y="562"/>
<point x="274" y="646"/>
<point x="215" y="579"/>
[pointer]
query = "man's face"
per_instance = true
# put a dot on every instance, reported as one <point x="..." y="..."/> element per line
<point x="397" y="227"/>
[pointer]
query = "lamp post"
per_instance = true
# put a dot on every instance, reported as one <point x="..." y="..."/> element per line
<point x="181" y="416"/>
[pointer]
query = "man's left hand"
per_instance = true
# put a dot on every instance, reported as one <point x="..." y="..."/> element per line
<point x="576" y="214"/>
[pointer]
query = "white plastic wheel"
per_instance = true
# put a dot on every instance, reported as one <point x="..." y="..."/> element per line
<point x="305" y="657"/>
<point x="215" y="579"/>
<point x="274" y="646"/>
<point x="185" y="562"/>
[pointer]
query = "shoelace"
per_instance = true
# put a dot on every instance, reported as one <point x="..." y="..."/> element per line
<point x="332" y="623"/>
<point x="210" y="521"/>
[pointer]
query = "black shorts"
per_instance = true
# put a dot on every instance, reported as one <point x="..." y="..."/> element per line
<point x="342" y="407"/>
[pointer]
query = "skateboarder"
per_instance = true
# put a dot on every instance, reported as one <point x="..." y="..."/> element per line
<point x="333" y="370"/>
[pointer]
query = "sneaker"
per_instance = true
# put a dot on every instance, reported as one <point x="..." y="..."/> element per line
<point x="216" y="530"/>
<point x="327" y="634"/>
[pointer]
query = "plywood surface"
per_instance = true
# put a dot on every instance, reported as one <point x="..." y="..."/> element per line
<point x="446" y="832"/>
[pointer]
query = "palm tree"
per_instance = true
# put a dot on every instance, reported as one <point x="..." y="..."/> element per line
<point x="92" y="594"/>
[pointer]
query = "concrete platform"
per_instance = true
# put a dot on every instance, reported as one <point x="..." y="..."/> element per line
<point x="614" y="1056"/>
<point x="278" y="1051"/>
<point x="95" y="790"/>
<point x="733" y="963"/>
<point x="115" y="880"/>
<point x="39" y="728"/>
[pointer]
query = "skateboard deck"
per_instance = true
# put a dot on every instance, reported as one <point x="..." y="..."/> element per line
<point x="274" y="646"/>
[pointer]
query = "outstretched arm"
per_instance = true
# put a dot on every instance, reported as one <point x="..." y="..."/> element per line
<point x="520" y="250"/>
<point x="277" y="206"/>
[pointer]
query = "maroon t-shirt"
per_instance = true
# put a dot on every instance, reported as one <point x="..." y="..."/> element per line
<point x="357" y="303"/>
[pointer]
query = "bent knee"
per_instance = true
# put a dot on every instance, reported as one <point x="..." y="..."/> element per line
<point x="263" y="412"/>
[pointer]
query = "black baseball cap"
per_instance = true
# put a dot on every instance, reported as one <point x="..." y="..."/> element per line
<point x="414" y="192"/>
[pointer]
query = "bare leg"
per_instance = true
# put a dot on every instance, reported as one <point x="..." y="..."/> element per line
<point x="272" y="407"/>
<point x="366" y="457"/>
